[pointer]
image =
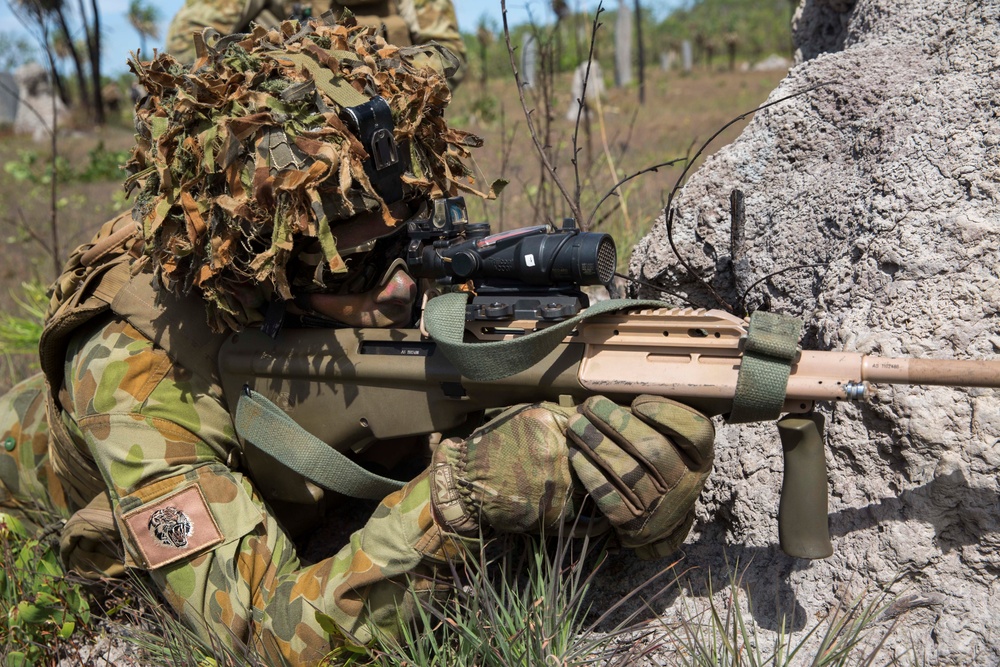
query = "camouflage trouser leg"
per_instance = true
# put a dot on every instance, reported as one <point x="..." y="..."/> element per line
<point x="28" y="488"/>
<point x="256" y="590"/>
<point x="226" y="16"/>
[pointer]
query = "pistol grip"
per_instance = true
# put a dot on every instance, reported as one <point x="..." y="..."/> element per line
<point x="803" y="512"/>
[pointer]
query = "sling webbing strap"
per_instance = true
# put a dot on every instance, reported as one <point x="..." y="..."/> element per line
<point x="771" y="347"/>
<point x="444" y="318"/>
<point x="272" y="431"/>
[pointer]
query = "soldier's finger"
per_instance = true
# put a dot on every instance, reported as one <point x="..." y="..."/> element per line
<point x="692" y="432"/>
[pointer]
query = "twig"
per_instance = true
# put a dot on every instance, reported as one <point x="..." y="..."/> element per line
<point x="732" y="122"/>
<point x="23" y="225"/>
<point x="659" y="289"/>
<point x="582" y="112"/>
<point x="611" y="165"/>
<point x="43" y="40"/>
<point x="746" y="292"/>
<point x="574" y="207"/>
<point x="505" y="153"/>
<point x="54" y="183"/>
<point x="627" y="143"/>
<point x="614" y="190"/>
<point x="737" y="224"/>
<point x="669" y="208"/>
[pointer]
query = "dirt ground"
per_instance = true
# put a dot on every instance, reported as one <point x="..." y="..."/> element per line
<point x="621" y="139"/>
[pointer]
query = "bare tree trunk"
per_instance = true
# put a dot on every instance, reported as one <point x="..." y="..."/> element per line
<point x="93" y="32"/>
<point x="60" y="83"/>
<point x="623" y="45"/>
<point x="94" y="40"/>
<point x="81" y="77"/>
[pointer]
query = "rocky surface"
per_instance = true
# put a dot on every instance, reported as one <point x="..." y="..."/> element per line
<point x="882" y="186"/>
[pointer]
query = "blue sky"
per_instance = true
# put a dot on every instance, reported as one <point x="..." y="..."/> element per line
<point x="120" y="38"/>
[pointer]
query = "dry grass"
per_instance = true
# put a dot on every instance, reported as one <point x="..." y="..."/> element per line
<point x="679" y="111"/>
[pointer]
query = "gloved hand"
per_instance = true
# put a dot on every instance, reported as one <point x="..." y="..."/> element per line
<point x="643" y="467"/>
<point x="532" y="466"/>
<point x="512" y="474"/>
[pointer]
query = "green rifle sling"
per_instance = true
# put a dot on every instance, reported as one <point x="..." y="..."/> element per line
<point x="771" y="347"/>
<point x="772" y="344"/>
<point x="444" y="318"/>
<point x="275" y="433"/>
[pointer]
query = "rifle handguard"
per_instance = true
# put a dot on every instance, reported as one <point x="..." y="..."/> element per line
<point x="803" y="511"/>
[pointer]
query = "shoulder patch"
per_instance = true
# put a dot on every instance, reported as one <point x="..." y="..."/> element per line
<point x="172" y="528"/>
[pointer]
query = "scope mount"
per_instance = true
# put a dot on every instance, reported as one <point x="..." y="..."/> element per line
<point x="553" y="305"/>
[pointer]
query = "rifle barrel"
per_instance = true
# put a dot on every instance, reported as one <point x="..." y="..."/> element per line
<point x="945" y="372"/>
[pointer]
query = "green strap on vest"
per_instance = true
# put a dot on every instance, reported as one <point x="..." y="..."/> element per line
<point x="275" y="433"/>
<point x="338" y="89"/>
<point x="771" y="347"/>
<point x="444" y="318"/>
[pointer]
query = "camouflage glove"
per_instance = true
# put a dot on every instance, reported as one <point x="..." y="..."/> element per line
<point x="512" y="475"/>
<point x="643" y="467"/>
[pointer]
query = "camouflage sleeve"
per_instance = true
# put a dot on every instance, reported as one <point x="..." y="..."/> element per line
<point x="28" y="487"/>
<point x="220" y="557"/>
<point x="435" y="20"/>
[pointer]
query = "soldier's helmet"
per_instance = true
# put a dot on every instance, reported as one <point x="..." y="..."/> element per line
<point x="265" y="168"/>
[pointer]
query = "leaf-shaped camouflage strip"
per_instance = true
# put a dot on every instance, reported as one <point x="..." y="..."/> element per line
<point x="242" y="160"/>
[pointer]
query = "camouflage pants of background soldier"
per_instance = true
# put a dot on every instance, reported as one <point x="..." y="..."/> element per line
<point x="405" y="22"/>
<point x="158" y="436"/>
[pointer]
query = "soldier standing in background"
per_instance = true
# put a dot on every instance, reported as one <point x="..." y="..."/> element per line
<point x="403" y="22"/>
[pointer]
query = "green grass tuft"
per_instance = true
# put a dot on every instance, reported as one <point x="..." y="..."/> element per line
<point x="40" y="608"/>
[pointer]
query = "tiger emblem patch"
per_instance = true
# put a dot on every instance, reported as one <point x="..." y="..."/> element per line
<point x="171" y="527"/>
<point x="163" y="531"/>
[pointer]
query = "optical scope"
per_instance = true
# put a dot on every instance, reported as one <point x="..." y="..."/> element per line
<point x="448" y="246"/>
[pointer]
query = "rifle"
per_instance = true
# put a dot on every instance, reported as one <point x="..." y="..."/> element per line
<point x="382" y="384"/>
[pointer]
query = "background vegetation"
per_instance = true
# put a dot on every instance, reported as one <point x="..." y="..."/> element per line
<point x="757" y="28"/>
<point x="68" y="39"/>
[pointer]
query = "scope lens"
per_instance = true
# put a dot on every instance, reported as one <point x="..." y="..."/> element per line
<point x="607" y="260"/>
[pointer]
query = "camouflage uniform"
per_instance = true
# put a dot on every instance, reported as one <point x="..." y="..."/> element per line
<point x="407" y="21"/>
<point x="162" y="439"/>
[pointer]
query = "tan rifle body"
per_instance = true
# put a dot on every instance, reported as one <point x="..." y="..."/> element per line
<point x="354" y="387"/>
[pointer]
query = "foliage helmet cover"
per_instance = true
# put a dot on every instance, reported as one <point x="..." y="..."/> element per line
<point x="246" y="175"/>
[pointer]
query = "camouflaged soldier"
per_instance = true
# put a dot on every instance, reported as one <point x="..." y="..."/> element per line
<point x="253" y="196"/>
<point x="405" y="22"/>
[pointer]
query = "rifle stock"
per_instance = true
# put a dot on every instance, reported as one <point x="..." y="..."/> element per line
<point x="353" y="387"/>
